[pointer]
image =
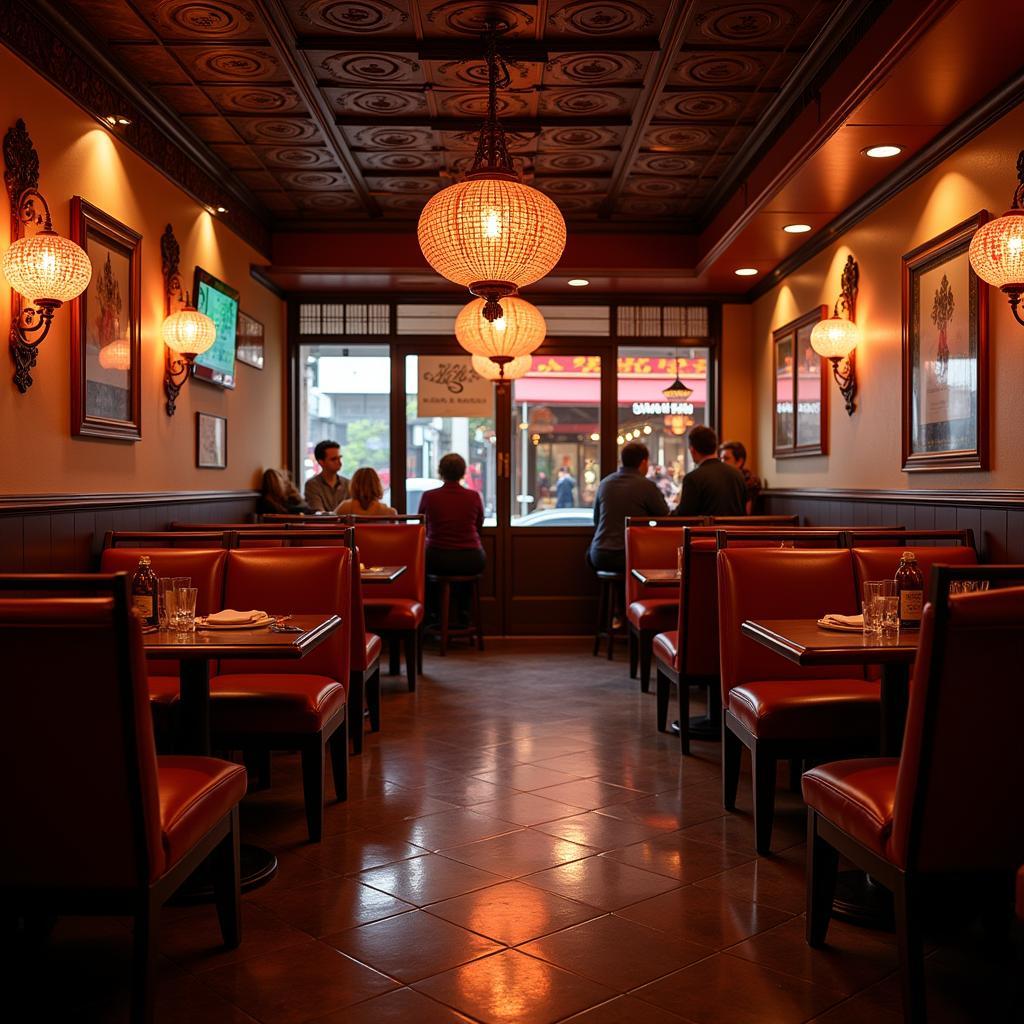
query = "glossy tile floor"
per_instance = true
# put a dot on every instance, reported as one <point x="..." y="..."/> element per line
<point x="520" y="847"/>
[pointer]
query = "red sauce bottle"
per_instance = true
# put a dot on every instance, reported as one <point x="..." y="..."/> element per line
<point x="910" y="591"/>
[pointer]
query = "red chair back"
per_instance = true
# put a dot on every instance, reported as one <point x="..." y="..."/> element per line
<point x="881" y="563"/>
<point x="650" y="547"/>
<point x="299" y="581"/>
<point x="395" y="544"/>
<point x="792" y="583"/>
<point x="77" y="737"/>
<point x="357" y="617"/>
<point x="957" y="793"/>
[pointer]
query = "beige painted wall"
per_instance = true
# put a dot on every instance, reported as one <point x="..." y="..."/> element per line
<point x="738" y="378"/>
<point x="865" y="449"/>
<point x="39" y="455"/>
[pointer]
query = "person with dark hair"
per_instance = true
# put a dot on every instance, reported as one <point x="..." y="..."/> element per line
<point x="455" y="517"/>
<point x="712" y="488"/>
<point x="734" y="453"/>
<point x="279" y="494"/>
<point x="328" y="489"/>
<point x="626" y="492"/>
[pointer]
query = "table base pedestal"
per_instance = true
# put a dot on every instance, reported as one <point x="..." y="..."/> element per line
<point x="257" y="866"/>
<point x="702" y="727"/>
<point x="862" y="901"/>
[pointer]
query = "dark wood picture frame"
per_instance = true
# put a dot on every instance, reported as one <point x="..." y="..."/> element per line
<point x="91" y="228"/>
<point x="249" y="344"/>
<point x="940" y="444"/>
<point x="791" y="338"/>
<point x="205" y="459"/>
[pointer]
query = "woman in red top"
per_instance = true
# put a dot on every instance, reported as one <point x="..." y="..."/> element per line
<point x="455" y="516"/>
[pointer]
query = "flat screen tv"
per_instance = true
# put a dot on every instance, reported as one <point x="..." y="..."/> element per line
<point x="219" y="302"/>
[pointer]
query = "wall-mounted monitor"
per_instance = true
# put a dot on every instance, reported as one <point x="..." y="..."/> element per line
<point x="219" y="301"/>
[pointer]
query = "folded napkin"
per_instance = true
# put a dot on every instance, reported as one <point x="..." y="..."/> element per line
<point x="842" y="623"/>
<point x="230" y="617"/>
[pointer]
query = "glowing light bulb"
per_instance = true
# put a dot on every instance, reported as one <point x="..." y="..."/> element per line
<point x="491" y="224"/>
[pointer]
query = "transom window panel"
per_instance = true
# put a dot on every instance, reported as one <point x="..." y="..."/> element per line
<point x="662" y="322"/>
<point x="326" y="318"/>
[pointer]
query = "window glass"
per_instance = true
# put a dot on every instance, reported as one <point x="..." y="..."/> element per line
<point x="646" y="415"/>
<point x="556" y="441"/>
<point x="430" y="436"/>
<point x="344" y="396"/>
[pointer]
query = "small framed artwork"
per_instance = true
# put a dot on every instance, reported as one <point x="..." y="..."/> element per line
<point x="800" y="392"/>
<point x="249" y="349"/>
<point x="945" y="355"/>
<point x="211" y="441"/>
<point x="106" y="326"/>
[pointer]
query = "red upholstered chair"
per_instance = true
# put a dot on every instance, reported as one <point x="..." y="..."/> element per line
<point x="881" y="563"/>
<point x="773" y="707"/>
<point x="264" y="705"/>
<point x="205" y="567"/>
<point x="364" y="671"/>
<point x="96" y="822"/>
<point x="949" y="805"/>
<point x="395" y="610"/>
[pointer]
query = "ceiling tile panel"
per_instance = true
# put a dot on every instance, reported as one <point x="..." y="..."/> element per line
<point x="196" y="19"/>
<point x="606" y="19"/>
<point x="468" y="18"/>
<point x="725" y="69"/>
<point x="185" y="99"/>
<point x="237" y="157"/>
<point x="397" y="137"/>
<point x="600" y="68"/>
<point x="378" y="102"/>
<point x="401" y="162"/>
<point x="295" y="156"/>
<point x="256" y="99"/>
<point x="113" y="18"/>
<point x="150" y="63"/>
<point x="579" y="161"/>
<point x="363" y="18"/>
<point x="212" y="129"/>
<point x="595" y="103"/>
<point x="267" y="130"/>
<point x="231" y="63"/>
<point x="366" y="69"/>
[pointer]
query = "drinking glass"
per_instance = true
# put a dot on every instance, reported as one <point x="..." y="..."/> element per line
<point x="185" y="609"/>
<point x="165" y="599"/>
<point x="874" y="592"/>
<point x="889" y="607"/>
<point x="967" y="586"/>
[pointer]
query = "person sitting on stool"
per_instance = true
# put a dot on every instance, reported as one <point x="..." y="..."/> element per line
<point x="455" y="517"/>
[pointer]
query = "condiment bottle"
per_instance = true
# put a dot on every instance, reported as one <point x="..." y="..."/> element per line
<point x="144" y="592"/>
<point x="910" y="591"/>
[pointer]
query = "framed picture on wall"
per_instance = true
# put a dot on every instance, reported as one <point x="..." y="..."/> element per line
<point x="945" y="355"/>
<point x="106" y="325"/>
<point x="799" y="390"/>
<point x="249" y="349"/>
<point x="211" y="441"/>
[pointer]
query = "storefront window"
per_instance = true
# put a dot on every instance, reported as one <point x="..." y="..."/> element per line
<point x="646" y="415"/>
<point x="556" y="441"/>
<point x="344" y="397"/>
<point x="430" y="436"/>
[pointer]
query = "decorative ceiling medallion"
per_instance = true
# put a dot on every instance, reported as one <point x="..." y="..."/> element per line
<point x="644" y="186"/>
<point x="575" y="161"/>
<point x="587" y="17"/>
<point x="389" y="102"/>
<point x="578" y="204"/>
<point x="315" y="180"/>
<point x="719" y="69"/>
<point x="326" y="201"/>
<point x="666" y="163"/>
<point x="361" y="16"/>
<point x="385" y="68"/>
<point x="236" y="64"/>
<point x="746" y="23"/>
<point x="405" y="186"/>
<point x="391" y="138"/>
<point x="474" y="104"/>
<point x="474" y="72"/>
<point x="255" y="99"/>
<point x="222" y="19"/>
<point x="699" y="106"/>
<point x="400" y="161"/>
<point x="578" y="138"/>
<point x="292" y="129"/>
<point x="473" y="18"/>
<point x="583" y="101"/>
<point x="570" y="186"/>
<point x="645" y="207"/>
<point x="297" y="157"/>
<point x="689" y="138"/>
<point x="593" y="68"/>
<point x="405" y="204"/>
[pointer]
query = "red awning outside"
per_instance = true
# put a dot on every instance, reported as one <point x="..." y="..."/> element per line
<point x="563" y="391"/>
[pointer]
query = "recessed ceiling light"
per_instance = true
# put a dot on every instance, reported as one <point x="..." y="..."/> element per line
<point x="883" y="152"/>
<point x="797" y="229"/>
<point x="221" y="209"/>
<point x="578" y="282"/>
<point x="745" y="272"/>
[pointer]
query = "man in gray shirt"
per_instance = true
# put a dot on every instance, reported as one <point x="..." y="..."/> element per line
<point x="627" y="492"/>
<point x="328" y="489"/>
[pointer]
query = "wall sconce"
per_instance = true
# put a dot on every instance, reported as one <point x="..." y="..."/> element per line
<point x="997" y="248"/>
<point x="44" y="270"/>
<point x="836" y="337"/>
<point x="186" y="333"/>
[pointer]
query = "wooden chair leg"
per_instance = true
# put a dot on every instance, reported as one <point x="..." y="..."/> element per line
<point x="684" y="715"/>
<point x="313" y="786"/>
<point x="411" y="658"/>
<point x="646" y="654"/>
<point x="822" y="870"/>
<point x="419" y="649"/>
<point x="226" y="885"/>
<point x="796" y="767"/>
<point x="446" y="611"/>
<point x="732" y="755"/>
<point x="257" y="764"/>
<point x="634" y="654"/>
<point x="373" y="699"/>
<point x="763" y="768"/>
<point x="339" y="760"/>
<point x="910" y="941"/>
<point x="394" y="655"/>
<point x="663" y="686"/>
<point x="478" y="622"/>
<point x="354" y="713"/>
<point x="147" y="920"/>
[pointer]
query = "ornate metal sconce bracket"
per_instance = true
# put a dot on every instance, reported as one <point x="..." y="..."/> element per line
<point x="178" y="368"/>
<point x="844" y="371"/>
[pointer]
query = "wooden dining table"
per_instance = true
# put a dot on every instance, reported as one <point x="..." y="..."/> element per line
<point x="658" y="577"/>
<point x="381" y="573"/>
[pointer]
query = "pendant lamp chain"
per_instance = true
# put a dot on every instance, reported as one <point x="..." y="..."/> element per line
<point x="492" y="156"/>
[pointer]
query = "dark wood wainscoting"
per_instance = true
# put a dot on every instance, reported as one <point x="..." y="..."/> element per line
<point x="549" y="591"/>
<point x="64" y="532"/>
<point x="996" y="517"/>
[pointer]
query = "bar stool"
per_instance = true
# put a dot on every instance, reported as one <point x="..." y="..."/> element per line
<point x="611" y="599"/>
<point x="445" y="631"/>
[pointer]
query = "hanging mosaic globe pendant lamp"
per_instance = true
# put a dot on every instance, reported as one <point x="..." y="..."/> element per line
<point x="491" y="233"/>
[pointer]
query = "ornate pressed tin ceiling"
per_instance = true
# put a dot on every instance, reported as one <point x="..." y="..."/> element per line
<point x="349" y="110"/>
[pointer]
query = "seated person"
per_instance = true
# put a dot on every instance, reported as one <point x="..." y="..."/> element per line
<point x="279" y="494"/>
<point x="366" y="491"/>
<point x="714" y="488"/>
<point x="734" y="453"/>
<point x="455" y="517"/>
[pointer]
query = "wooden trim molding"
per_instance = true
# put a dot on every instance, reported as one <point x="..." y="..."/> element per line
<point x="974" y="498"/>
<point x="20" y="504"/>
